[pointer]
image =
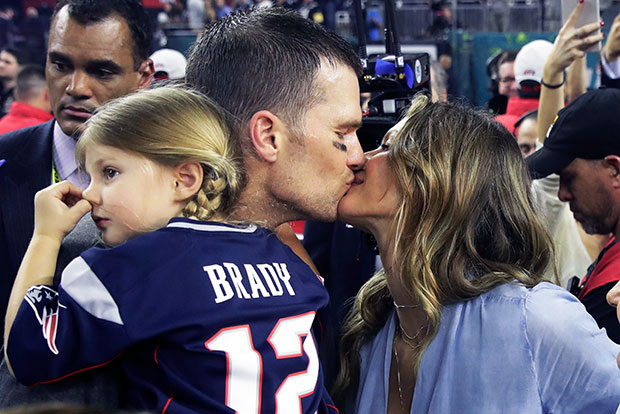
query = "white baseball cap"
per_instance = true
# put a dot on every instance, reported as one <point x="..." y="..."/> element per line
<point x="530" y="60"/>
<point x="169" y="64"/>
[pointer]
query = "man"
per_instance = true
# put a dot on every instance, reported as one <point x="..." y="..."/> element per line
<point x="583" y="147"/>
<point x="32" y="101"/>
<point x="98" y="50"/>
<point x="528" y="72"/>
<point x="506" y="72"/>
<point x="295" y="102"/>
<point x="10" y="59"/>
<point x="294" y="98"/>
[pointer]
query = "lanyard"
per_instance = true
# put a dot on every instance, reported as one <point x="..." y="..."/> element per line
<point x="55" y="176"/>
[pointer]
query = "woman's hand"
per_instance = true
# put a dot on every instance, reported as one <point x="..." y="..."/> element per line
<point x="611" y="50"/>
<point x="569" y="45"/>
<point x="58" y="208"/>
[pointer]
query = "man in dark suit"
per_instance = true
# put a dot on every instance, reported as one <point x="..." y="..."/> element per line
<point x="98" y="50"/>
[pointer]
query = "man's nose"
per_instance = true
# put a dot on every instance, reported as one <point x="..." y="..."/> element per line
<point x="79" y="86"/>
<point x="564" y="194"/>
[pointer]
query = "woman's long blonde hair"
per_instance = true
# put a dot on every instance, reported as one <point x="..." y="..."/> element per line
<point x="467" y="222"/>
<point x="171" y="125"/>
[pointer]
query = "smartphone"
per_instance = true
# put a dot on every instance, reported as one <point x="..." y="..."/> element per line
<point x="589" y="14"/>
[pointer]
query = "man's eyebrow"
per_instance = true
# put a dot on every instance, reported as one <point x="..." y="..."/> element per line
<point x="352" y="124"/>
<point x="91" y="64"/>
<point x="59" y="56"/>
<point x="104" y="64"/>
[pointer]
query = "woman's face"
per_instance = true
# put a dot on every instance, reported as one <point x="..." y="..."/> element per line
<point x="373" y="199"/>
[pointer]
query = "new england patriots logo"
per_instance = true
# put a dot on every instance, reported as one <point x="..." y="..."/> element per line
<point x="44" y="302"/>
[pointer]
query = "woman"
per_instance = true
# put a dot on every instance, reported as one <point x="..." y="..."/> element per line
<point x="459" y="320"/>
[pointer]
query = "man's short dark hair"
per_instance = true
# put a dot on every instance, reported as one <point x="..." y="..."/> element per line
<point x="507" y="56"/>
<point x="265" y="59"/>
<point x="93" y="11"/>
<point x="29" y="83"/>
<point x="18" y="54"/>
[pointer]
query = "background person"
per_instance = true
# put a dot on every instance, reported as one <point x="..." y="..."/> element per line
<point x="448" y="200"/>
<point x="582" y="147"/>
<point x="10" y="61"/>
<point x="571" y="256"/>
<point x="528" y="72"/>
<point x="82" y="74"/>
<point x="507" y="83"/>
<point x="32" y="101"/>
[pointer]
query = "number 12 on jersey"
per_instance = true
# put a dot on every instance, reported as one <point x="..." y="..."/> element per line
<point x="290" y="338"/>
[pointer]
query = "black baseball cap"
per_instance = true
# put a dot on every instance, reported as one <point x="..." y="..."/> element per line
<point x="589" y="128"/>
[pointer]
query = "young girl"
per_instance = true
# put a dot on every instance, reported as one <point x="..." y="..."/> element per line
<point x="207" y="317"/>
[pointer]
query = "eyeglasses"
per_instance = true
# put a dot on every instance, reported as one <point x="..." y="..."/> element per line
<point x="507" y="80"/>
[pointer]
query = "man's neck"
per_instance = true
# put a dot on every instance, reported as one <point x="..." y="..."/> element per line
<point x="256" y="207"/>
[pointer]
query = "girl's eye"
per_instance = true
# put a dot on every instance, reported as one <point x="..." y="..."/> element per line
<point x="109" y="173"/>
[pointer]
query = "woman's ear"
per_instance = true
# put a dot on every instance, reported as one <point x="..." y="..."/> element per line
<point x="188" y="178"/>
<point x="266" y="131"/>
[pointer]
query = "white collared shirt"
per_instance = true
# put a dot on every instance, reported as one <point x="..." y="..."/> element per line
<point x="64" y="158"/>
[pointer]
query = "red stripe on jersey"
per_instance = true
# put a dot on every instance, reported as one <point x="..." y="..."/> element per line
<point x="331" y="406"/>
<point x="76" y="372"/>
<point x="166" y="406"/>
<point x="155" y="354"/>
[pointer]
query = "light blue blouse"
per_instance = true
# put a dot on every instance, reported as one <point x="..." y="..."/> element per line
<point x="510" y="350"/>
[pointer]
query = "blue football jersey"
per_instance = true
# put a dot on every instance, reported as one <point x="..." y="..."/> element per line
<point x="206" y="318"/>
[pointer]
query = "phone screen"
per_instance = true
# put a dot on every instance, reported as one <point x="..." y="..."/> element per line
<point x="589" y="14"/>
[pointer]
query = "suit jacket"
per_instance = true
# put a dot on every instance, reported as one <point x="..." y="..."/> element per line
<point x="27" y="169"/>
<point x="345" y="260"/>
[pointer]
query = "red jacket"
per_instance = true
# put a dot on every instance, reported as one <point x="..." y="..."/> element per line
<point x="22" y="115"/>
<point x="516" y="107"/>
<point x="607" y="269"/>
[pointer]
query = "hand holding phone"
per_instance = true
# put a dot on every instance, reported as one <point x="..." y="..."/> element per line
<point x="588" y="15"/>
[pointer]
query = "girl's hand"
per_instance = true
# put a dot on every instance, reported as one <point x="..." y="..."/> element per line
<point x="571" y="44"/>
<point x="57" y="209"/>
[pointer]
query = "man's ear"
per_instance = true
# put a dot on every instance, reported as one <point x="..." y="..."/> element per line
<point x="188" y="178"/>
<point x="146" y="72"/>
<point x="612" y="162"/>
<point x="266" y="132"/>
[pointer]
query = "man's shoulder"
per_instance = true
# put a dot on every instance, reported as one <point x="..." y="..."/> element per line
<point x="28" y="146"/>
<point x="18" y="138"/>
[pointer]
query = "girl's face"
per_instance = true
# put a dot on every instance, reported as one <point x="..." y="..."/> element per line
<point x="373" y="199"/>
<point x="130" y="195"/>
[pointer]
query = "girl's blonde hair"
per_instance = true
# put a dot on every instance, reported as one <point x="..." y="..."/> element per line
<point x="171" y="125"/>
<point x="466" y="224"/>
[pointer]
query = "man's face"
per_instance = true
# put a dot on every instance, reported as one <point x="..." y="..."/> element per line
<point x="89" y="65"/>
<point x="320" y="169"/>
<point x="507" y="82"/>
<point x="526" y="136"/>
<point x="585" y="185"/>
<point x="8" y="66"/>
